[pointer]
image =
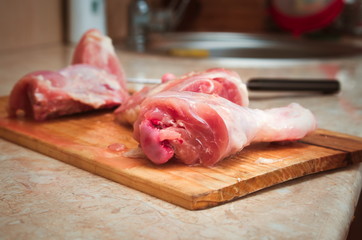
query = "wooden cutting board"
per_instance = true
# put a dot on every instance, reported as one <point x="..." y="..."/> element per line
<point x="82" y="140"/>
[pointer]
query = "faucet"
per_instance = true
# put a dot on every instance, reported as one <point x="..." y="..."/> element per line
<point x="142" y="20"/>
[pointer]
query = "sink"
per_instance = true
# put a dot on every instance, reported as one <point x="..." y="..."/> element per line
<point x="239" y="45"/>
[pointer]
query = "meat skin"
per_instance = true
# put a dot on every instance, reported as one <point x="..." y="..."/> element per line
<point x="96" y="49"/>
<point x="43" y="95"/>
<point x="218" y="81"/>
<point x="196" y="128"/>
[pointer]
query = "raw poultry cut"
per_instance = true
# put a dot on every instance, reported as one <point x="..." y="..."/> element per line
<point x="219" y="81"/>
<point x="97" y="50"/>
<point x="96" y="82"/>
<point x="46" y="94"/>
<point x="196" y="128"/>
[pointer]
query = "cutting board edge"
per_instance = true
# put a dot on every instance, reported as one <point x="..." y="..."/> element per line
<point x="207" y="200"/>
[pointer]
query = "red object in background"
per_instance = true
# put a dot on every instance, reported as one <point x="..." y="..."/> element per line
<point x="303" y="24"/>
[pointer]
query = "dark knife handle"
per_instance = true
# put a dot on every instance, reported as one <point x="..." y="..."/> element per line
<point x="313" y="85"/>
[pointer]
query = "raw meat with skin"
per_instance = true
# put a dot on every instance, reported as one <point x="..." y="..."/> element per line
<point x="97" y="50"/>
<point x="77" y="88"/>
<point x="222" y="82"/>
<point x="196" y="128"/>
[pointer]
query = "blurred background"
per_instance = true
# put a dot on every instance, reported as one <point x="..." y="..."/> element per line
<point x="40" y="22"/>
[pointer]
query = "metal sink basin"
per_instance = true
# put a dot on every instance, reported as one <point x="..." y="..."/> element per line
<point x="237" y="45"/>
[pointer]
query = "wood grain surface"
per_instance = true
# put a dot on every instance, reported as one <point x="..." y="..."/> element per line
<point x="83" y="141"/>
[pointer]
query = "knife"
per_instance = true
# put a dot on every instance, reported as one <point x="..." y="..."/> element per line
<point x="326" y="86"/>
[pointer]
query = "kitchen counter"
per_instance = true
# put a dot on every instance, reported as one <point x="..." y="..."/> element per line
<point x="43" y="198"/>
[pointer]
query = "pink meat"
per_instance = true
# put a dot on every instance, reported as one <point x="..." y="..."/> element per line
<point x="196" y="128"/>
<point x="77" y="88"/>
<point x="97" y="50"/>
<point x="222" y="82"/>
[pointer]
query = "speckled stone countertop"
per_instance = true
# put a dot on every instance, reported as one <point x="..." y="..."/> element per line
<point x="43" y="198"/>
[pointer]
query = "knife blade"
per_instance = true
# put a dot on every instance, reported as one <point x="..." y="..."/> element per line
<point x="326" y="86"/>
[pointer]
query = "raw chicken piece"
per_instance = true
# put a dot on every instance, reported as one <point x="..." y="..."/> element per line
<point x="77" y="88"/>
<point x="197" y="128"/>
<point x="97" y="50"/>
<point x="222" y="82"/>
